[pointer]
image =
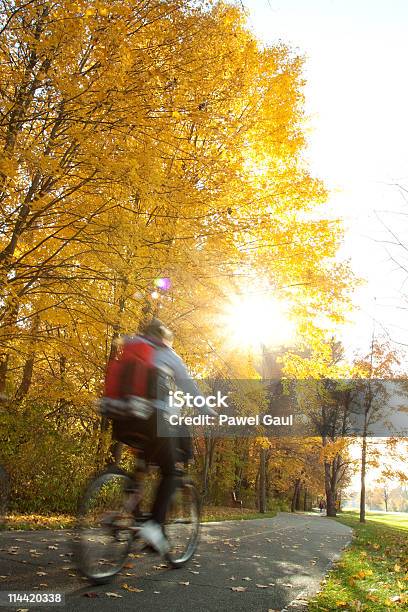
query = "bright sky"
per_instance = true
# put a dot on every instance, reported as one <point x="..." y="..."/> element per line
<point x="357" y="94"/>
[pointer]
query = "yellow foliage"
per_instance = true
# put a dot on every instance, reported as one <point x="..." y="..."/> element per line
<point x="138" y="145"/>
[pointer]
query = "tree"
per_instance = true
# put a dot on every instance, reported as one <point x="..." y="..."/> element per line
<point x="372" y="371"/>
<point x="324" y="396"/>
<point x="142" y="141"/>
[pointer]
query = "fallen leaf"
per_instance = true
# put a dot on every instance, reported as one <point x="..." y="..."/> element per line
<point x="131" y="589"/>
<point x="184" y="583"/>
<point x="372" y="598"/>
<point x="90" y="594"/>
<point x="247" y="578"/>
<point x="361" y="574"/>
<point x="397" y="599"/>
<point x="262" y="586"/>
<point x="111" y="594"/>
<point x="239" y="589"/>
<point x="41" y="573"/>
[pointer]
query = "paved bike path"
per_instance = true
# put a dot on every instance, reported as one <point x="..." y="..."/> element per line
<point x="279" y="562"/>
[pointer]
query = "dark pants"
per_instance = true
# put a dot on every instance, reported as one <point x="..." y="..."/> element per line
<point x="162" y="451"/>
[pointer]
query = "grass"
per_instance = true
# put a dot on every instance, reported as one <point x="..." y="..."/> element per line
<point x="224" y="513"/>
<point x="27" y="522"/>
<point x="372" y="574"/>
<point x="391" y="520"/>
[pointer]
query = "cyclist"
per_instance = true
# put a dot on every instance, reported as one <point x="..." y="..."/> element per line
<point x="163" y="451"/>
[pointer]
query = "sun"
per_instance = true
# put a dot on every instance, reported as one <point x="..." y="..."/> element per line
<point x="252" y="320"/>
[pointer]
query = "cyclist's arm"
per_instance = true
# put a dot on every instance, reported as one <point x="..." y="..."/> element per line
<point x="184" y="382"/>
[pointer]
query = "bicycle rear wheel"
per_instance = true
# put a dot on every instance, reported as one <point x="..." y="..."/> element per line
<point x="105" y="523"/>
<point x="182" y="524"/>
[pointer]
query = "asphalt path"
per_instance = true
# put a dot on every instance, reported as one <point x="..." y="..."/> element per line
<point x="276" y="564"/>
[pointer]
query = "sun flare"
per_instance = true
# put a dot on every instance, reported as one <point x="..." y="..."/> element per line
<point x="252" y="320"/>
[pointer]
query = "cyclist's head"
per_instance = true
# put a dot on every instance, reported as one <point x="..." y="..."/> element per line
<point x="157" y="329"/>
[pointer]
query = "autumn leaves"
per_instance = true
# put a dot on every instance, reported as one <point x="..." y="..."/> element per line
<point x="142" y="142"/>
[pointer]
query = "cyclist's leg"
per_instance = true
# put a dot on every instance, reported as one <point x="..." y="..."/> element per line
<point x="138" y="434"/>
<point x="164" y="454"/>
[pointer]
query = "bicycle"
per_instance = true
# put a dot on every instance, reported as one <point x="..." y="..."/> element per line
<point x="109" y="522"/>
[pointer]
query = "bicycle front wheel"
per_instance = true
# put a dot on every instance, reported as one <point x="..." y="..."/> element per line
<point x="182" y="524"/>
<point x="105" y="533"/>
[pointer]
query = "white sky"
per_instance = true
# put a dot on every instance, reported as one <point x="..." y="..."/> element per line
<point x="357" y="99"/>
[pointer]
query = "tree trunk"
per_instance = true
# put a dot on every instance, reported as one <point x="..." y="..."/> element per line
<point x="9" y="314"/>
<point x="330" y="487"/>
<point x="295" y="496"/>
<point x="26" y="379"/>
<point x="386" y="499"/>
<point x="363" y="480"/>
<point x="305" y="501"/>
<point x="299" y="491"/>
<point x="208" y="461"/>
<point x="4" y="359"/>
<point x="262" y="480"/>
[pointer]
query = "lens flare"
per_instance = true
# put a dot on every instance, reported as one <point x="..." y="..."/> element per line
<point x="162" y="283"/>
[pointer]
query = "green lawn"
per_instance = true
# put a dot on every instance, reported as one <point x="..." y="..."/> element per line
<point x="390" y="519"/>
<point x="373" y="572"/>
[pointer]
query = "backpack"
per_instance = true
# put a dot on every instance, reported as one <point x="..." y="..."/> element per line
<point x="133" y="381"/>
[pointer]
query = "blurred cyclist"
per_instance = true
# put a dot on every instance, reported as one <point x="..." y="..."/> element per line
<point x="163" y="451"/>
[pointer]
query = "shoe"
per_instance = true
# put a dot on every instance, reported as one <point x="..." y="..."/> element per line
<point x="152" y="534"/>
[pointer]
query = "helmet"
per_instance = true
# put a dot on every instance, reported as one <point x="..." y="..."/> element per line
<point x="157" y="329"/>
